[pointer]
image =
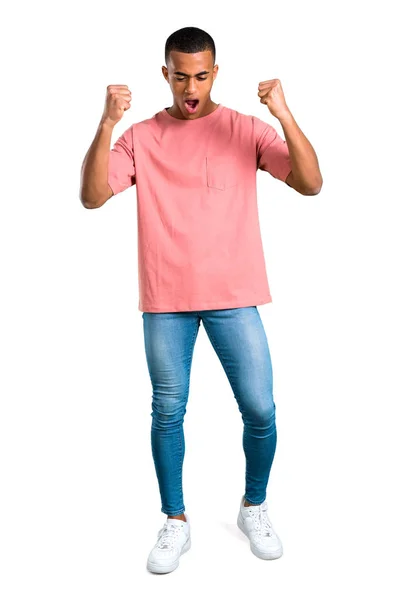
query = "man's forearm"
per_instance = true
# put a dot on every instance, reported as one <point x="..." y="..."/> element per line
<point x="94" y="171"/>
<point x="304" y="160"/>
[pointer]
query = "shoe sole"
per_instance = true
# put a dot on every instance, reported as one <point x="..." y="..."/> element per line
<point x="264" y="555"/>
<point x="155" y="568"/>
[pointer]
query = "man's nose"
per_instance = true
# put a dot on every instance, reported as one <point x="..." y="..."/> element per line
<point x="191" y="86"/>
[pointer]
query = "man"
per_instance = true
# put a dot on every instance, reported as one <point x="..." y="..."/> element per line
<point x="200" y="259"/>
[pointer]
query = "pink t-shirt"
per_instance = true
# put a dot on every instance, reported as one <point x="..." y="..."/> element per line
<point x="199" y="239"/>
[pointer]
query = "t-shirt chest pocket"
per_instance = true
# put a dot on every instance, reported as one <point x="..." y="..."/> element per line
<point x="222" y="171"/>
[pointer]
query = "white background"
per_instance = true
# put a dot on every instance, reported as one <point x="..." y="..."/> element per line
<point x="80" y="506"/>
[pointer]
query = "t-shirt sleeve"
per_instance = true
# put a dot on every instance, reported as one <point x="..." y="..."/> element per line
<point x="272" y="151"/>
<point x="121" y="163"/>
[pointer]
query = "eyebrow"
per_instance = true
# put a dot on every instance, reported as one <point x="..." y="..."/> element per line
<point x="186" y="75"/>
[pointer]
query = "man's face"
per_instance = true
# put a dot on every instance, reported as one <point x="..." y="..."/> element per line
<point x="191" y="77"/>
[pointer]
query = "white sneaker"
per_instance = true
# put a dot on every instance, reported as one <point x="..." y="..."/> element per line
<point x="173" y="540"/>
<point x="254" y="522"/>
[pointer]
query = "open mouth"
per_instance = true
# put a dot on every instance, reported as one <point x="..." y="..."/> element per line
<point x="191" y="105"/>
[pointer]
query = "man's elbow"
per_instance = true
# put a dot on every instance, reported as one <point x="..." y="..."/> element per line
<point x="305" y="190"/>
<point x="92" y="202"/>
<point x="312" y="191"/>
<point x="87" y="204"/>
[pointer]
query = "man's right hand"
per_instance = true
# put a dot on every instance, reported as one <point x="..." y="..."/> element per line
<point x="118" y="100"/>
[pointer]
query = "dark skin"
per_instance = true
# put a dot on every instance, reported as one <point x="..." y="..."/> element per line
<point x="195" y="79"/>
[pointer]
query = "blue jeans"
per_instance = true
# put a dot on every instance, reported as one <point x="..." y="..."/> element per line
<point x="239" y="339"/>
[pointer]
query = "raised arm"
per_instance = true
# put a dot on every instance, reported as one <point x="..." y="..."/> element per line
<point x="305" y="176"/>
<point x="95" y="189"/>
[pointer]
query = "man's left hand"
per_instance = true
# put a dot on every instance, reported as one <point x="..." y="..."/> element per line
<point x="271" y="94"/>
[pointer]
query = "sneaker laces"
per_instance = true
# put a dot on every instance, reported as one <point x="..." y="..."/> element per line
<point x="262" y="524"/>
<point x="168" y="535"/>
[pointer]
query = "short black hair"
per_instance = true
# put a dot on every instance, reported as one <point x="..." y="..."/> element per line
<point x="190" y="40"/>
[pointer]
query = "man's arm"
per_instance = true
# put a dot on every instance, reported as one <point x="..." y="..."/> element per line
<point x="95" y="190"/>
<point x="305" y="176"/>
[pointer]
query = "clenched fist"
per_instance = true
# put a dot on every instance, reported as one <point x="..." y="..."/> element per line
<point x="118" y="99"/>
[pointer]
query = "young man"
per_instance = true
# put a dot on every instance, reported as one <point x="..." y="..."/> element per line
<point x="200" y="260"/>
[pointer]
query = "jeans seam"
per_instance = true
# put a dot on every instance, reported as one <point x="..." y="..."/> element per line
<point x="182" y="433"/>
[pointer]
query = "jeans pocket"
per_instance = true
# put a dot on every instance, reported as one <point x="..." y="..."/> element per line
<point x="222" y="172"/>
